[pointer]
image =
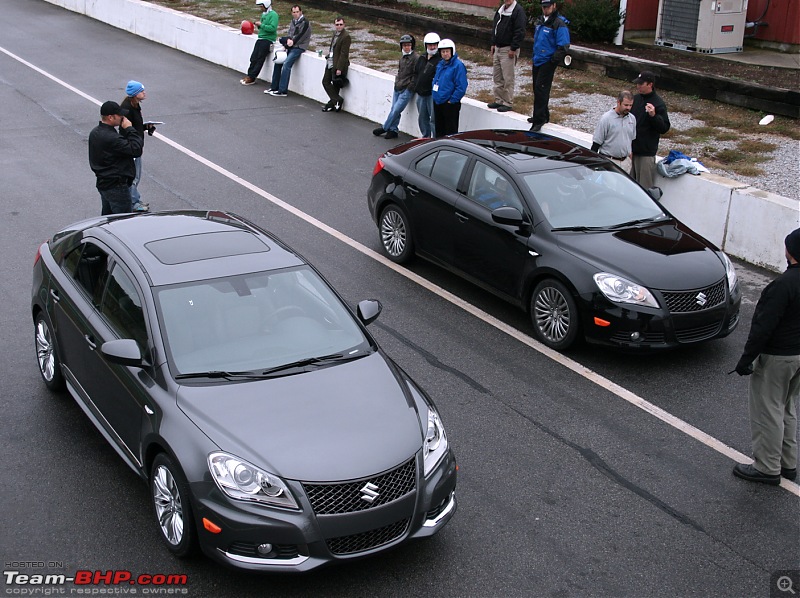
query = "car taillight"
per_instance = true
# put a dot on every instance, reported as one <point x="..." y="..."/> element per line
<point x="378" y="167"/>
<point x="38" y="254"/>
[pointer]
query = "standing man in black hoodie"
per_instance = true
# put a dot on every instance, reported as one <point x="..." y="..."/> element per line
<point x="508" y="32"/>
<point x="652" y="122"/>
<point x="772" y="357"/>
<point x="425" y="70"/>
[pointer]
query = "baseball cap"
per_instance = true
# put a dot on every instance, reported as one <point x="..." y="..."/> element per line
<point x="548" y="2"/>
<point x="110" y="108"/>
<point x="645" y="77"/>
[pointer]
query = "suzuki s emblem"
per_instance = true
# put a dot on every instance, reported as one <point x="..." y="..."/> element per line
<point x="369" y="492"/>
<point x="701" y="299"/>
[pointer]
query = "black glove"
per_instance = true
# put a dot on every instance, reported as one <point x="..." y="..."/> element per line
<point x="151" y="129"/>
<point x="744" y="369"/>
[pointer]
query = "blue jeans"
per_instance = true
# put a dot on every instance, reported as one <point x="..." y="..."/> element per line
<point x="135" y="196"/>
<point x="115" y="200"/>
<point x="400" y="100"/>
<point x="426" y="122"/>
<point x="282" y="72"/>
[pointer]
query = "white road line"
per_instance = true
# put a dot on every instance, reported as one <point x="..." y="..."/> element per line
<point x="523" y="338"/>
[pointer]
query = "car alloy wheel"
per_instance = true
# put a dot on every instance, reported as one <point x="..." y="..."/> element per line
<point x="47" y="354"/>
<point x="396" y="235"/>
<point x="554" y="315"/>
<point x="171" y="505"/>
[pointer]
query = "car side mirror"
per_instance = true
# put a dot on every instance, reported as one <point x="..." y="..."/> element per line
<point x="124" y="351"/>
<point x="508" y="215"/>
<point x="368" y="310"/>
<point x="655" y="192"/>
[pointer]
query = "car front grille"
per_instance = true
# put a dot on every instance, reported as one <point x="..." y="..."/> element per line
<point x="368" y="540"/>
<point x="698" y="333"/>
<point x="329" y="499"/>
<point x="697" y="300"/>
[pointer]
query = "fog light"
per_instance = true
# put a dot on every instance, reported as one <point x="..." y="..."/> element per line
<point x="635" y="336"/>
<point x="264" y="549"/>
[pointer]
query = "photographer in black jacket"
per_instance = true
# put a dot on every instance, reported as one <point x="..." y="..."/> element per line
<point x="773" y="347"/>
<point x="111" y="155"/>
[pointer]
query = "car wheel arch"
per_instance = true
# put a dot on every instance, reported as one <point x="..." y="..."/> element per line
<point x="539" y="276"/>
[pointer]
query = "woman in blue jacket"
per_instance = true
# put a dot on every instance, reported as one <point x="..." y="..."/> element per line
<point x="449" y="86"/>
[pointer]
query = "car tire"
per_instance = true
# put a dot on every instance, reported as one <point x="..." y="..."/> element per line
<point x="47" y="353"/>
<point x="396" y="236"/>
<point x="554" y="314"/>
<point x="172" y="507"/>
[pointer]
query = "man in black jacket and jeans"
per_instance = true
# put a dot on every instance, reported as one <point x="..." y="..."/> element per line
<point x="508" y="32"/>
<point x="773" y="346"/>
<point x="652" y="122"/>
<point x="111" y="155"/>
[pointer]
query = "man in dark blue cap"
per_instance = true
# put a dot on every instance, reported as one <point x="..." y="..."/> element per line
<point x="111" y="155"/>
<point x="772" y="358"/>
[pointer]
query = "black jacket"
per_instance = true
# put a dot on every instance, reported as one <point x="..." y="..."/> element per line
<point x="405" y="78"/>
<point x="134" y="115"/>
<point x="775" y="329"/>
<point x="111" y="155"/>
<point x="425" y="69"/>
<point x="649" y="129"/>
<point x="509" y="30"/>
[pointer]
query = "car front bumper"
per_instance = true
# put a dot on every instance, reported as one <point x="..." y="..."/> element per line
<point x="269" y="539"/>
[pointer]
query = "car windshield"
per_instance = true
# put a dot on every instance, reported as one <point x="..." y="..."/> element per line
<point x="256" y="322"/>
<point x="595" y="196"/>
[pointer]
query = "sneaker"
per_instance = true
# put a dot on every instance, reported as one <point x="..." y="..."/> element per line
<point x="141" y="207"/>
<point x="338" y="106"/>
<point x="328" y="108"/>
<point x="247" y="81"/>
<point x="536" y="128"/>
<point x="493" y="105"/>
<point x="278" y="94"/>
<point x="530" y="119"/>
<point x="789" y="474"/>
<point x="378" y="131"/>
<point x="270" y="92"/>
<point x="391" y="135"/>
<point x="504" y="108"/>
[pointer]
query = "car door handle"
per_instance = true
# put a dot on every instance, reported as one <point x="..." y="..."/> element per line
<point x="54" y="294"/>
<point x="412" y="189"/>
<point x="462" y="217"/>
<point x="90" y="340"/>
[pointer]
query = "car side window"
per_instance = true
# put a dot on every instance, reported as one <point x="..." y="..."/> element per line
<point x="88" y="265"/>
<point x="122" y="307"/>
<point x="444" y="167"/>
<point x="491" y="188"/>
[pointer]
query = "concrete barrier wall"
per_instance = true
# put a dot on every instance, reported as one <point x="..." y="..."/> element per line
<point x="748" y="223"/>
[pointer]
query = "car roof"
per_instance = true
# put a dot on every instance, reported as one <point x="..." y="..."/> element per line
<point x="183" y="246"/>
<point x="523" y="151"/>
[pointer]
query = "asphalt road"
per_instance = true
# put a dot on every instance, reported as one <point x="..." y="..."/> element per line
<point x="565" y="488"/>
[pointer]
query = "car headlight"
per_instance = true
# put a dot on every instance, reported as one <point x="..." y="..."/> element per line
<point x="242" y="481"/>
<point x="435" y="444"/>
<point x="621" y="290"/>
<point x="729" y="271"/>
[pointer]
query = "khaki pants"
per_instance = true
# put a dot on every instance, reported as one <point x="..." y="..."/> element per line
<point x="774" y="392"/>
<point x="644" y="170"/>
<point x="623" y="164"/>
<point x="503" y="75"/>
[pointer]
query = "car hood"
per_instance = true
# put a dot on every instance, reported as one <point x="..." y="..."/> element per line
<point x="667" y="256"/>
<point x="335" y="423"/>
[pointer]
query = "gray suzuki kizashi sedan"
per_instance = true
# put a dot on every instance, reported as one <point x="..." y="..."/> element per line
<point x="272" y="430"/>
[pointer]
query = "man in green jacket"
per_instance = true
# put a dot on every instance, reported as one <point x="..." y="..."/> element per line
<point x="267" y="34"/>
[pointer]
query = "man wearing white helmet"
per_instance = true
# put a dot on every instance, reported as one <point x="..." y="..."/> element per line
<point x="267" y="33"/>
<point x="449" y="86"/>
<point x="425" y="70"/>
<point x="403" y="87"/>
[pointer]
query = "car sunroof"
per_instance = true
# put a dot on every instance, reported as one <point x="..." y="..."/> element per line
<point x="205" y="246"/>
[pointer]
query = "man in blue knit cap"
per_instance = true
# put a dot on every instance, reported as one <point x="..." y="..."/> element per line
<point x="135" y="95"/>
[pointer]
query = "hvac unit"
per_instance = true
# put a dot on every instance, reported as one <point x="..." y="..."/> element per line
<point x="707" y="26"/>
